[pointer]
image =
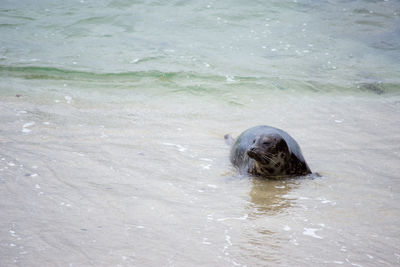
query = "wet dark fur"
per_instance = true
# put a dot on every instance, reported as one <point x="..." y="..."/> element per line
<point x="268" y="152"/>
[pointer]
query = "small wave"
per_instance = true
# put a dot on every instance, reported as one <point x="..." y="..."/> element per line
<point x="194" y="82"/>
<point x="55" y="73"/>
<point x="9" y="25"/>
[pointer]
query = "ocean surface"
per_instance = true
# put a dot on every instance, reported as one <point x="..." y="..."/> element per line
<point x="113" y="113"/>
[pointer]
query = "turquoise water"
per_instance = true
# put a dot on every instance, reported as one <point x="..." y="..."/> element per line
<point x="112" y="117"/>
<point x="338" y="42"/>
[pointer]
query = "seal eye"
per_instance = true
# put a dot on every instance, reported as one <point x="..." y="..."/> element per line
<point x="254" y="141"/>
<point x="267" y="143"/>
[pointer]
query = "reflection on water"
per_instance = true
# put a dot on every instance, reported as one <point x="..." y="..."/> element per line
<point x="269" y="197"/>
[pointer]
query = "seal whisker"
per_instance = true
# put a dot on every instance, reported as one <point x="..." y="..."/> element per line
<point x="265" y="157"/>
<point x="269" y="154"/>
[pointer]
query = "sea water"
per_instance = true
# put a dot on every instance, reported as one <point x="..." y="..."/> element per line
<point x="112" y="117"/>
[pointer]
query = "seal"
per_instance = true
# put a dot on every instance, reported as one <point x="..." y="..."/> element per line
<point x="267" y="152"/>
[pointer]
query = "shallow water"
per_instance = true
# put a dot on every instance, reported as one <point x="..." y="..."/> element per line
<point x="112" y="118"/>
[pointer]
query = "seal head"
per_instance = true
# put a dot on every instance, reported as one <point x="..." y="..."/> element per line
<point x="268" y="152"/>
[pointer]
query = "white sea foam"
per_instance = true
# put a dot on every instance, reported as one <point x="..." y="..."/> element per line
<point x="205" y="241"/>
<point x="68" y="99"/>
<point x="206" y="166"/>
<point x="179" y="147"/>
<point x="244" y="217"/>
<point x="28" y="124"/>
<point x="311" y="232"/>
<point x="228" y="240"/>
<point x="230" y="79"/>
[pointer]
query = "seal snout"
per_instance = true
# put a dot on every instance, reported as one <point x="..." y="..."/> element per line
<point x="252" y="152"/>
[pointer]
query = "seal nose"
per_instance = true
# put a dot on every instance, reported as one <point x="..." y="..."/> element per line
<point x="252" y="152"/>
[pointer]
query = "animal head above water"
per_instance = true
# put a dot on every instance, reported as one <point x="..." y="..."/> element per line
<point x="268" y="149"/>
